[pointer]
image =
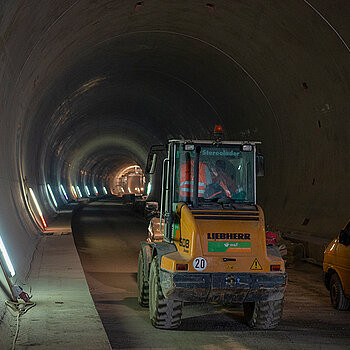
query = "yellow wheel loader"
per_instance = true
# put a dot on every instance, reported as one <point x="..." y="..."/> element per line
<point x="208" y="243"/>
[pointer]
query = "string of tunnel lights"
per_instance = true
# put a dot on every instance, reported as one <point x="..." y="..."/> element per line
<point x="76" y="194"/>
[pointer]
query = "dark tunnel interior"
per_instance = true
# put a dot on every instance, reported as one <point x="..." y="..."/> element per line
<point x="88" y="86"/>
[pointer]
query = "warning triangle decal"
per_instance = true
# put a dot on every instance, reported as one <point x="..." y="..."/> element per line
<point x="256" y="265"/>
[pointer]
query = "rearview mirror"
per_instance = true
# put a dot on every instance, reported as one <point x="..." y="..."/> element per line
<point x="151" y="163"/>
<point x="260" y="166"/>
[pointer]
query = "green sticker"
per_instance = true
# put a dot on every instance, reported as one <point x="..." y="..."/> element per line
<point x="221" y="247"/>
<point x="176" y="229"/>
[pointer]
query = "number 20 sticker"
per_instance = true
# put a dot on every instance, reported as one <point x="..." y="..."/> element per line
<point x="199" y="264"/>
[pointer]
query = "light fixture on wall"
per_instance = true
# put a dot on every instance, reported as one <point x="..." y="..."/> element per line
<point x="79" y="192"/>
<point x="64" y="192"/>
<point x="74" y="192"/>
<point x="52" y="195"/>
<point x="38" y="208"/>
<point x="6" y="258"/>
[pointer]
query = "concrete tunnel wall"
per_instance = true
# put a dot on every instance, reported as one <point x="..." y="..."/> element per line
<point x="90" y="86"/>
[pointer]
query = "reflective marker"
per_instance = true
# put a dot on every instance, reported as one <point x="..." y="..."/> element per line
<point x="95" y="189"/>
<point x="104" y="190"/>
<point x="74" y="192"/>
<point x="149" y="187"/>
<point x="51" y="194"/>
<point x="7" y="258"/>
<point x="87" y="190"/>
<point x="38" y="207"/>
<point x="64" y="192"/>
<point x="79" y="192"/>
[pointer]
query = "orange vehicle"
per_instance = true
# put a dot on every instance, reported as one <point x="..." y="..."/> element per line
<point x="208" y="243"/>
<point x="336" y="269"/>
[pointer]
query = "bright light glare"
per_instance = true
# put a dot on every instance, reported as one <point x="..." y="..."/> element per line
<point x="64" y="192"/>
<point x="74" y="192"/>
<point x="104" y="190"/>
<point x="141" y="188"/>
<point x="129" y="167"/>
<point x="38" y="207"/>
<point x="87" y="190"/>
<point x="79" y="192"/>
<point x="7" y="258"/>
<point x="149" y="187"/>
<point x="332" y="247"/>
<point x="95" y="189"/>
<point x="51" y="194"/>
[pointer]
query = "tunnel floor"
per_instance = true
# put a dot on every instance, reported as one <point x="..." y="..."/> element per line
<point x="107" y="236"/>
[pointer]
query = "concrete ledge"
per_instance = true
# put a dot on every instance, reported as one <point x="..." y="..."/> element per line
<point x="314" y="246"/>
<point x="65" y="316"/>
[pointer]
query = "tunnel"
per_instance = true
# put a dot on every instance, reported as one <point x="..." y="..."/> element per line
<point x="89" y="86"/>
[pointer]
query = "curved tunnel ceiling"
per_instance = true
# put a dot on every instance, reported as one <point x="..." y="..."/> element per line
<point x="90" y="86"/>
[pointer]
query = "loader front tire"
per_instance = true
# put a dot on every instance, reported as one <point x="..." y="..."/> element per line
<point x="142" y="282"/>
<point x="164" y="313"/>
<point x="263" y="314"/>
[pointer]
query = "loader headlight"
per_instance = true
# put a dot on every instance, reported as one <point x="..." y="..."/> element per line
<point x="189" y="147"/>
<point x="247" y="148"/>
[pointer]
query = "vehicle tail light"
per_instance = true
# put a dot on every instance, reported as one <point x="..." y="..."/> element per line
<point x="275" y="267"/>
<point x="182" y="267"/>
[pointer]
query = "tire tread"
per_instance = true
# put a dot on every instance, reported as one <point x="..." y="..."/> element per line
<point x="263" y="314"/>
<point x="142" y="284"/>
<point x="167" y="314"/>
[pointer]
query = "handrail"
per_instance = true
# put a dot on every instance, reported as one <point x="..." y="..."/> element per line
<point x="162" y="195"/>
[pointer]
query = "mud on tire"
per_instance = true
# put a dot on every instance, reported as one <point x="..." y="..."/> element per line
<point x="338" y="299"/>
<point x="142" y="283"/>
<point x="263" y="314"/>
<point x="164" y="313"/>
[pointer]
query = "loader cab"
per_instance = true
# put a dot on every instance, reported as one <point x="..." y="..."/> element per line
<point x="208" y="175"/>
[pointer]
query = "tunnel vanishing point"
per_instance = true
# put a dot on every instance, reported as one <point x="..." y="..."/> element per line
<point x="88" y="86"/>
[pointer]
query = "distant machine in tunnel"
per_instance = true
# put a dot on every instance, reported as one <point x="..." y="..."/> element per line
<point x="130" y="180"/>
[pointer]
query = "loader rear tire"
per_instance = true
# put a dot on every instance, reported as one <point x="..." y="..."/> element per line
<point x="142" y="282"/>
<point x="263" y="314"/>
<point x="338" y="298"/>
<point x="164" y="313"/>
